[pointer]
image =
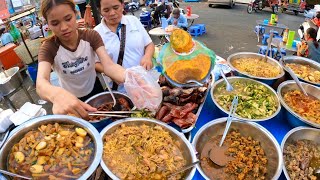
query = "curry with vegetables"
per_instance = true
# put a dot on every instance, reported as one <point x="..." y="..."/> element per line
<point x="53" y="151"/>
<point x="255" y="100"/>
<point x="142" y="152"/>
<point x="305" y="72"/>
<point x="306" y="106"/>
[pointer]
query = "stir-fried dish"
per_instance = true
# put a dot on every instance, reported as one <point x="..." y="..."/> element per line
<point x="301" y="158"/>
<point x="305" y="72"/>
<point x="124" y="105"/>
<point x="142" y="152"/>
<point x="306" y="106"/>
<point x="256" y="67"/>
<point x="247" y="158"/>
<point x="255" y="100"/>
<point x="53" y="151"/>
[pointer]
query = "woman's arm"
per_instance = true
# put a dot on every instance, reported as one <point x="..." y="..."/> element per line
<point x="146" y="60"/>
<point x="63" y="101"/>
<point x="111" y="69"/>
<point x="99" y="67"/>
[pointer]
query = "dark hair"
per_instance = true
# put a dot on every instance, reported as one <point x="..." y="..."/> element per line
<point x="46" y="5"/>
<point x="98" y="3"/>
<point x="318" y="15"/>
<point x="313" y="34"/>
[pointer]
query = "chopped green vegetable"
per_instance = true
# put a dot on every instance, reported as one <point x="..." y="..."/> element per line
<point x="255" y="100"/>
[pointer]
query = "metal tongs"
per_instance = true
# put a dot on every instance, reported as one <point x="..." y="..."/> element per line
<point x="121" y="114"/>
<point x="292" y="74"/>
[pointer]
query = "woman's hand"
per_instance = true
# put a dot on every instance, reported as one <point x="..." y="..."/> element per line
<point x="66" y="103"/>
<point x="146" y="62"/>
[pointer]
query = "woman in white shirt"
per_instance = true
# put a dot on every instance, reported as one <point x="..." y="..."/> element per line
<point x="138" y="49"/>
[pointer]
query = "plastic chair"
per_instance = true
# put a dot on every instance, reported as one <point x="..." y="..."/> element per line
<point x="265" y="37"/>
<point x="194" y="30"/>
<point x="275" y="33"/>
<point x="202" y="28"/>
<point x="263" y="49"/>
<point x="259" y="29"/>
<point x="145" y="19"/>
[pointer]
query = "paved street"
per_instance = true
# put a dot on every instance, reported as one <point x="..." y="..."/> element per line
<point x="228" y="31"/>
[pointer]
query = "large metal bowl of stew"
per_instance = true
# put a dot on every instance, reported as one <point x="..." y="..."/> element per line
<point x="249" y="151"/>
<point x="53" y="146"/>
<point x="257" y="101"/>
<point x="242" y="63"/>
<point x="301" y="110"/>
<point x="301" y="156"/>
<point x="103" y="102"/>
<point x="142" y="148"/>
<point x="306" y="69"/>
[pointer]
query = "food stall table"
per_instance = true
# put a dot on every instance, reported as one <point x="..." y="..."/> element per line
<point x="277" y="126"/>
<point x="161" y="33"/>
<point x="277" y="26"/>
<point x="191" y="19"/>
<point x="290" y="50"/>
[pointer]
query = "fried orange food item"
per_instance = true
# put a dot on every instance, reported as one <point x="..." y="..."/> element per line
<point x="193" y="69"/>
<point x="306" y="106"/>
<point x="181" y="41"/>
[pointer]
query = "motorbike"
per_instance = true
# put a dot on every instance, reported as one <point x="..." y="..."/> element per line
<point x="131" y="7"/>
<point x="255" y="5"/>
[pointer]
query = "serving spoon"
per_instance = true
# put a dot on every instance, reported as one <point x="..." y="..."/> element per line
<point x="13" y="174"/>
<point x="116" y="106"/>
<point x="217" y="152"/>
<point x="194" y="81"/>
<point x="292" y="74"/>
<point x="229" y="86"/>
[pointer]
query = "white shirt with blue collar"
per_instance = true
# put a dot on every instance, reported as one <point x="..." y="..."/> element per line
<point x="137" y="38"/>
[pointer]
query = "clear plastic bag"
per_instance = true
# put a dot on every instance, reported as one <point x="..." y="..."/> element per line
<point x="143" y="88"/>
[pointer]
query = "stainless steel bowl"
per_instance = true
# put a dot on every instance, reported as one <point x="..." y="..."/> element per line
<point x="16" y="135"/>
<point x="105" y="97"/>
<point x="294" y="118"/>
<point x="187" y="149"/>
<point x="221" y="82"/>
<point x="297" y="134"/>
<point x="9" y="85"/>
<point x="269" y="81"/>
<point x="256" y="131"/>
<point x="303" y="61"/>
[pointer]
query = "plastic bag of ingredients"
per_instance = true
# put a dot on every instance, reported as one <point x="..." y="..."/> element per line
<point x="142" y="88"/>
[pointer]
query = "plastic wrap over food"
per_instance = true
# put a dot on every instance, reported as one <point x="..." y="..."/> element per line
<point x="142" y="88"/>
<point x="180" y="67"/>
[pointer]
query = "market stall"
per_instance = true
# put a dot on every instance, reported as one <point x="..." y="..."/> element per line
<point x="193" y="102"/>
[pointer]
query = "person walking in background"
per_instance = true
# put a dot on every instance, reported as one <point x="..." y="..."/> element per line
<point x="310" y="47"/>
<point x="178" y="19"/>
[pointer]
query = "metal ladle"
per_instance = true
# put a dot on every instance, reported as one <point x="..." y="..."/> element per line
<point x="116" y="106"/>
<point x="292" y="74"/>
<point x="184" y="168"/>
<point x="216" y="153"/>
<point x="13" y="174"/>
<point x="269" y="46"/>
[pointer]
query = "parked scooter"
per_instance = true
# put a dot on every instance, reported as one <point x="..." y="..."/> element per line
<point x="255" y="5"/>
<point x="131" y="7"/>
